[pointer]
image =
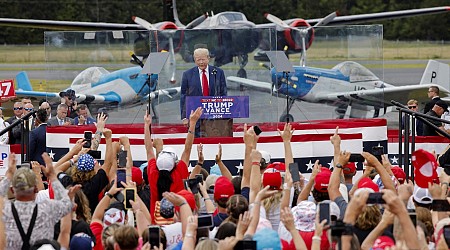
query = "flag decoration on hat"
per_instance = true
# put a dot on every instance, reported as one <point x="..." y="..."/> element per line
<point x="425" y="166"/>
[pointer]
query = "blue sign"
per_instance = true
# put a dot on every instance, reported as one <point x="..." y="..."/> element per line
<point x="218" y="107"/>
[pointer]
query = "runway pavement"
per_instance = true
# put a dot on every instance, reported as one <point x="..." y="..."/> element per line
<point x="263" y="108"/>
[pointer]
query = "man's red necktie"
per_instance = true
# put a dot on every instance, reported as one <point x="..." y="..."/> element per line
<point x="205" y="86"/>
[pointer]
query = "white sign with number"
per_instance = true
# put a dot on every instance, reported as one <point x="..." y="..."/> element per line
<point x="7" y="89"/>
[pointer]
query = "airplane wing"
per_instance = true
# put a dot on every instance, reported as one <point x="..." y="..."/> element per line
<point x="81" y="98"/>
<point x="264" y="86"/>
<point x="361" y="18"/>
<point x="67" y="25"/>
<point x="382" y="96"/>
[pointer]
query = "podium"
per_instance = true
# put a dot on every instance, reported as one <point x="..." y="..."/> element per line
<point x="216" y="127"/>
<point x="218" y="113"/>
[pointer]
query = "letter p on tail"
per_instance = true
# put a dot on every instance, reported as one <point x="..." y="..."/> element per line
<point x="436" y="73"/>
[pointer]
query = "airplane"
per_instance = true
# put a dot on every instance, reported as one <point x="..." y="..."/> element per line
<point x="101" y="89"/>
<point x="227" y="34"/>
<point x="354" y="90"/>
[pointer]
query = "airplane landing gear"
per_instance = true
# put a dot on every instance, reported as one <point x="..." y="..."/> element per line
<point x="286" y="117"/>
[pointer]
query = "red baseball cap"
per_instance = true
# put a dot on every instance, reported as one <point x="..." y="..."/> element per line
<point x="399" y="174"/>
<point x="425" y="166"/>
<point x="136" y="175"/>
<point x="382" y="242"/>
<point x="272" y="178"/>
<point x="366" y="182"/>
<point x="349" y="168"/>
<point x="189" y="197"/>
<point x="322" y="180"/>
<point x="223" y="188"/>
<point x="280" y="166"/>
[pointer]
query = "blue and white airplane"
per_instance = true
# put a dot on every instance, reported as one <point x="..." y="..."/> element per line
<point x="353" y="89"/>
<point x="100" y="88"/>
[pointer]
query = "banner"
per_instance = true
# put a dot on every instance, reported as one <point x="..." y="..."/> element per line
<point x="7" y="89"/>
<point x="219" y="107"/>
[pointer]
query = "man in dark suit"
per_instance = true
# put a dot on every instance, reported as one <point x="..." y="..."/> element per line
<point x="37" y="137"/>
<point x="202" y="80"/>
<point x="413" y="105"/>
<point x="18" y="111"/>
<point x="83" y="117"/>
<point x="433" y="93"/>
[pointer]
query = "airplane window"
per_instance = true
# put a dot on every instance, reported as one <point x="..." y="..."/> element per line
<point x="355" y="71"/>
<point x="89" y="75"/>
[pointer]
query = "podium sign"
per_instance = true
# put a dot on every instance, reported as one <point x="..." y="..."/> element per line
<point x="219" y="107"/>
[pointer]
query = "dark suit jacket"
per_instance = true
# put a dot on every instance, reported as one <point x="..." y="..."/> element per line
<point x="419" y="126"/>
<point x="192" y="86"/>
<point x="429" y="105"/>
<point x="14" y="138"/>
<point x="38" y="143"/>
<point x="89" y="120"/>
<point x="54" y="121"/>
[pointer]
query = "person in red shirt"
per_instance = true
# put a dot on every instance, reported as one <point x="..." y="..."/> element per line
<point x="166" y="173"/>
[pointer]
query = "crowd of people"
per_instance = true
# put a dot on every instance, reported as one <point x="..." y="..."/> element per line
<point x="79" y="203"/>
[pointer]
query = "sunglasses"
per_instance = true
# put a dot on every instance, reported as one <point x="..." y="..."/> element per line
<point x="28" y="109"/>
<point x="19" y="108"/>
<point x="412" y="107"/>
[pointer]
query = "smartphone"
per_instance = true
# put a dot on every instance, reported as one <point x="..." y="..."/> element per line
<point x="205" y="221"/>
<point x="293" y="169"/>
<point x="122" y="157"/>
<point x="324" y="212"/>
<point x="95" y="154"/>
<point x="186" y="184"/>
<point x="245" y="245"/>
<point x="121" y="176"/>
<point x="440" y="206"/>
<point x="375" y="198"/>
<point x="199" y="178"/>
<point x="378" y="151"/>
<point x="356" y="158"/>
<point x="193" y="185"/>
<point x="257" y="130"/>
<point x="87" y="139"/>
<point x="148" y="112"/>
<point x="413" y="217"/>
<point x="447" y="234"/>
<point x="119" y="197"/>
<point x="130" y="194"/>
<point x="154" y="236"/>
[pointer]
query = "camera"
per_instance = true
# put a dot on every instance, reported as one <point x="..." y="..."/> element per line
<point x="378" y="151"/>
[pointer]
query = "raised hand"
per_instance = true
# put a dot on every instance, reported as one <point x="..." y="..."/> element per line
<point x="287" y="132"/>
<point x="336" y="139"/>
<point x="195" y="115"/>
<point x="101" y="121"/>
<point x="48" y="170"/>
<point x="219" y="154"/>
<point x="201" y="158"/>
<point x="11" y="166"/>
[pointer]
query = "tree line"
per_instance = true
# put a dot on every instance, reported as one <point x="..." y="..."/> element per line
<point x="430" y="27"/>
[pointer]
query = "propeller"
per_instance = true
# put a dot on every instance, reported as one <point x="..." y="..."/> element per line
<point x="303" y="31"/>
<point x="169" y="34"/>
<point x="194" y="23"/>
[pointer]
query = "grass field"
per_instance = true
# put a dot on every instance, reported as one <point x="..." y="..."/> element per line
<point x="390" y="50"/>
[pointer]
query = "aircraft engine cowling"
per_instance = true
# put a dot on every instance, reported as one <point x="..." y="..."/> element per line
<point x="292" y="37"/>
<point x="157" y="41"/>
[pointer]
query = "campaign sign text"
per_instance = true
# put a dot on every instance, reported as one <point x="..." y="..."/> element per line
<point x="218" y="107"/>
<point x="7" y="89"/>
<point x="4" y="154"/>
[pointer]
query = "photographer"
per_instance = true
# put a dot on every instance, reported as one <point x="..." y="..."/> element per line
<point x="68" y="97"/>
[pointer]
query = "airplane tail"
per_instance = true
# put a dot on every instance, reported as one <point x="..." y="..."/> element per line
<point x="23" y="83"/>
<point x="436" y="73"/>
